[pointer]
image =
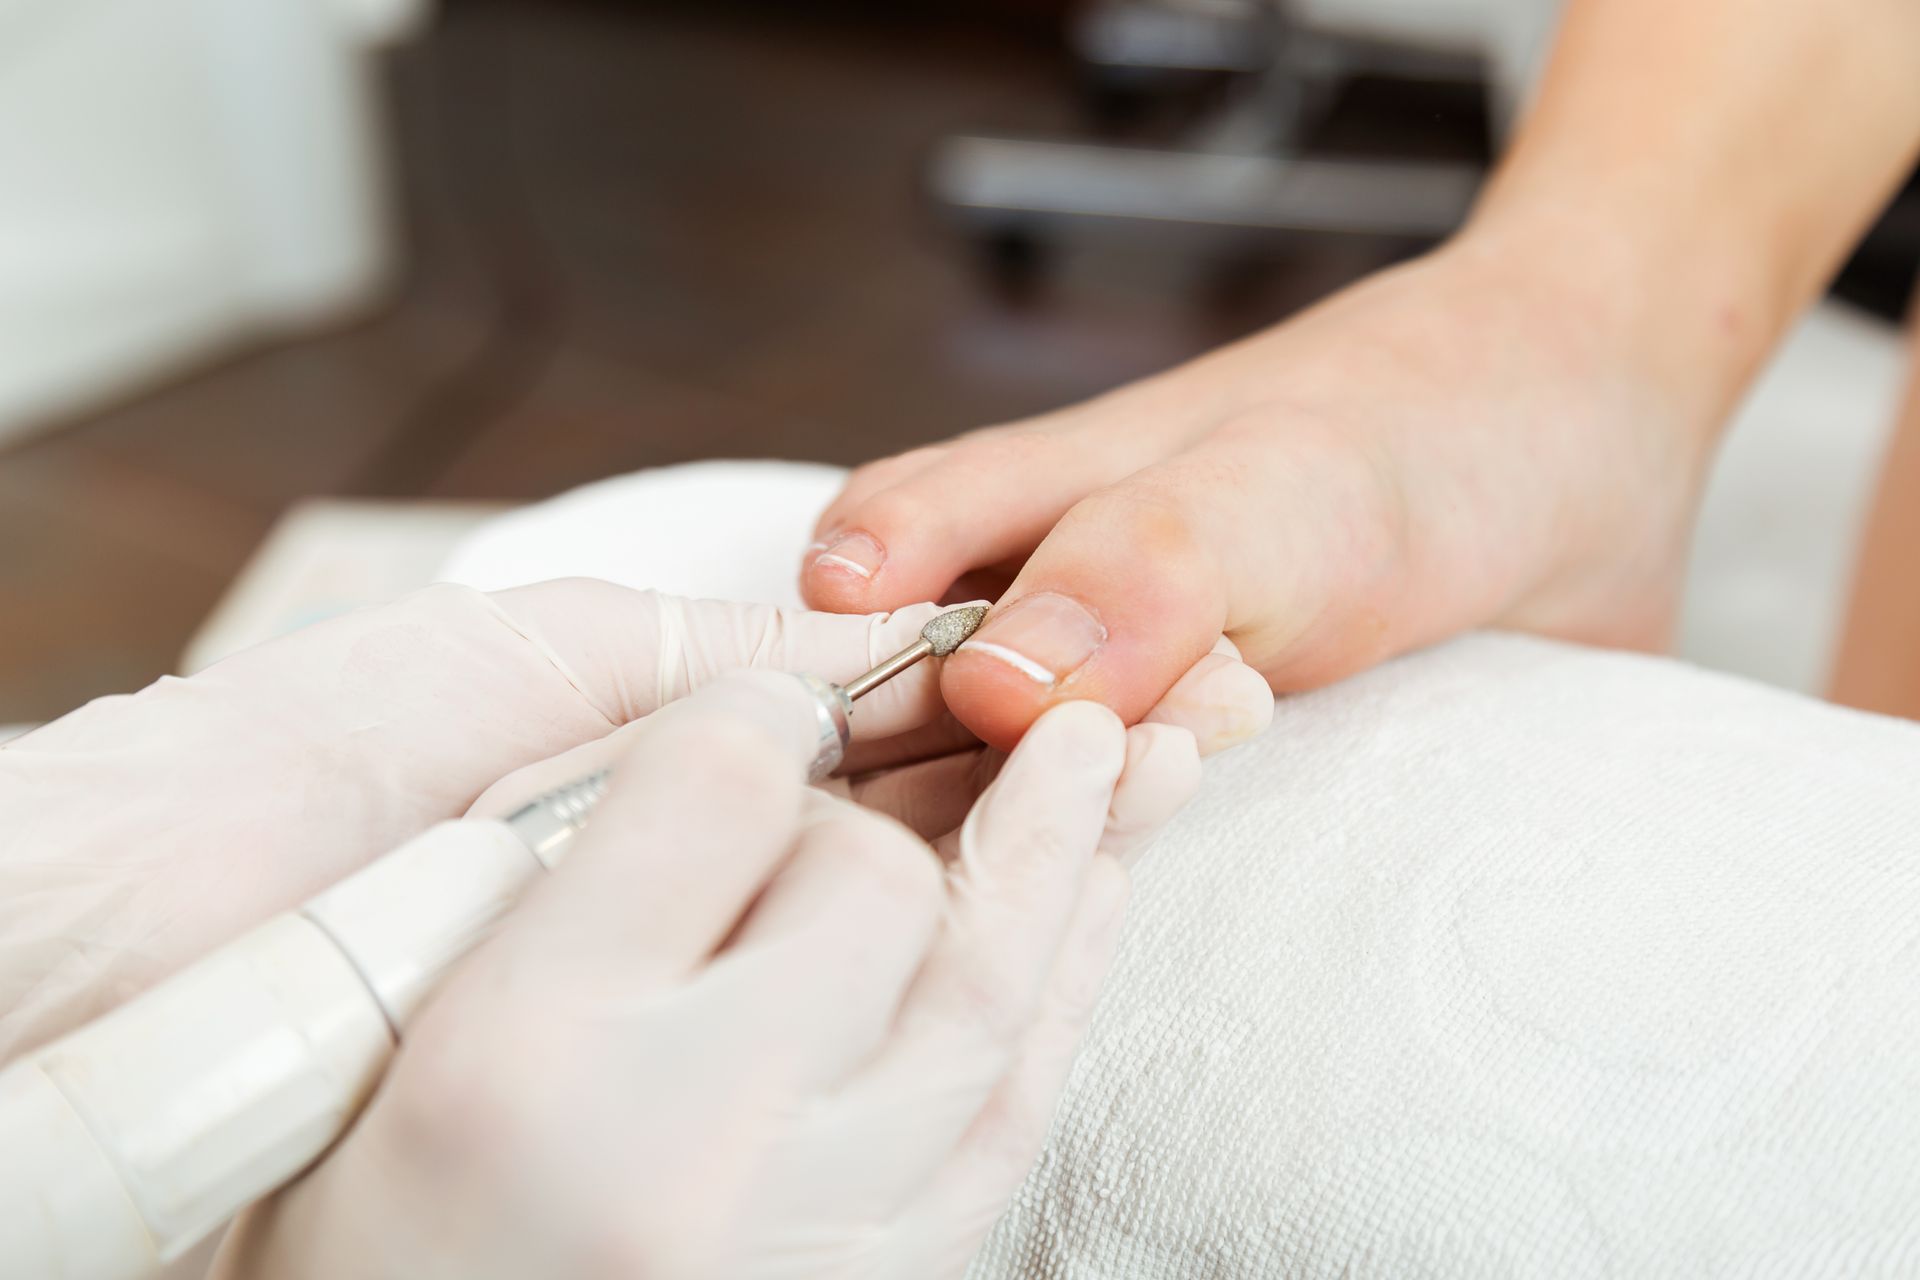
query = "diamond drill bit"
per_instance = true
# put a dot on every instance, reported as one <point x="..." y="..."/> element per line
<point x="938" y="638"/>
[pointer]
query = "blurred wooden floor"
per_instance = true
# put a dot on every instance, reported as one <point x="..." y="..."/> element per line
<point x="638" y="235"/>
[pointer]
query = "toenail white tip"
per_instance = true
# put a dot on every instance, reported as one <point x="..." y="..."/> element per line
<point x="844" y="563"/>
<point x="1014" y="658"/>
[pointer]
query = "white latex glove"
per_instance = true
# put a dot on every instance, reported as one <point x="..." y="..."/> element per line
<point x="145" y="830"/>
<point x="748" y="1029"/>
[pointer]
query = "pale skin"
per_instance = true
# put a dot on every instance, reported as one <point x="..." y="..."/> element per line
<point x="1878" y="666"/>
<point x="1512" y="431"/>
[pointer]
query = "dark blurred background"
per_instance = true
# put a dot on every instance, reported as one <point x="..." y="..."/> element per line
<point x="643" y="232"/>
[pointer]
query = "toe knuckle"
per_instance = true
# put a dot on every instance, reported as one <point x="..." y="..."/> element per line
<point x="1149" y="514"/>
<point x="1258" y="431"/>
<point x="1007" y="450"/>
<point x="1158" y="523"/>
<point x="890" y="510"/>
<point x="875" y="477"/>
<point x="916" y="458"/>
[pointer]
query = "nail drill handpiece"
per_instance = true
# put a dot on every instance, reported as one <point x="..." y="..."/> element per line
<point x="182" y="1131"/>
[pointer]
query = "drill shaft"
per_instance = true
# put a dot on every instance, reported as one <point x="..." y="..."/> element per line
<point x="939" y="637"/>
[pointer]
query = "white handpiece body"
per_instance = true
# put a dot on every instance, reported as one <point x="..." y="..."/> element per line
<point x="124" y="1143"/>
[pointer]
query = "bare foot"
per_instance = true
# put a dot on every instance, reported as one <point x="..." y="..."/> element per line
<point x="1464" y="441"/>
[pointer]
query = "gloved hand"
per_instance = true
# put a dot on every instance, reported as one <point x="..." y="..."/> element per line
<point x="146" y="830"/>
<point x="747" y="1029"/>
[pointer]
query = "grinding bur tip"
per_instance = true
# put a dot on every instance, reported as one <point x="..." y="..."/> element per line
<point x="946" y="632"/>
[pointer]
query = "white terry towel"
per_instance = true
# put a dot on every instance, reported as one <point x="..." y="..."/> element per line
<point x="1506" y="958"/>
<point x="1510" y="958"/>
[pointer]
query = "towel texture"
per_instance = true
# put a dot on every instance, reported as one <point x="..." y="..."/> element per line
<point x="1510" y="958"/>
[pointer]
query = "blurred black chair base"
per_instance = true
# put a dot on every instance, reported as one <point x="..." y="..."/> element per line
<point x="1247" y="175"/>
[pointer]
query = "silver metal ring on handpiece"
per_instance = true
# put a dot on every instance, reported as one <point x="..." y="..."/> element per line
<point x="833" y="707"/>
<point x="548" y="824"/>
